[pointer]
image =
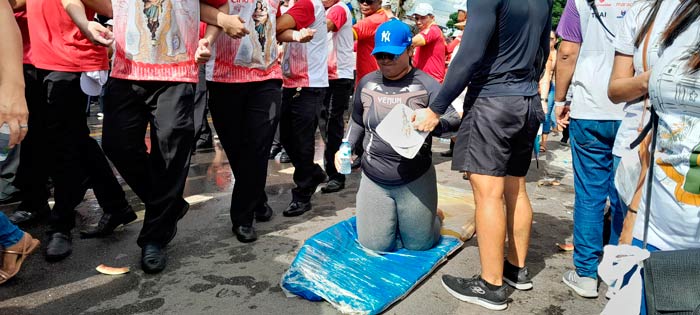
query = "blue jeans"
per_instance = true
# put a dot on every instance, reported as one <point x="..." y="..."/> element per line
<point x="548" y="119"/>
<point x="650" y="248"/>
<point x="591" y="149"/>
<point x="10" y="234"/>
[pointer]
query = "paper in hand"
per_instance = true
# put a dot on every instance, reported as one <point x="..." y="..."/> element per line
<point x="397" y="130"/>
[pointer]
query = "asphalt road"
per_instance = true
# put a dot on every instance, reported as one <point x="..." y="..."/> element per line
<point x="210" y="272"/>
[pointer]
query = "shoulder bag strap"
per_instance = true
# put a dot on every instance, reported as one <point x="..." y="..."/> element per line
<point x="591" y="3"/>
<point x="650" y="175"/>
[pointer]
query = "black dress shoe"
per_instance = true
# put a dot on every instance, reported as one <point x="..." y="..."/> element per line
<point x="447" y="153"/>
<point x="274" y="151"/>
<point x="263" y="214"/>
<point x="23" y="215"/>
<point x="59" y="247"/>
<point x="185" y="208"/>
<point x="153" y="258"/>
<point x="333" y="185"/>
<point x="205" y="145"/>
<point x="108" y="223"/>
<point x="296" y="208"/>
<point x="284" y="158"/>
<point x="245" y="234"/>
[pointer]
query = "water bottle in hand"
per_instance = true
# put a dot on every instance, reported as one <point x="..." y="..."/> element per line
<point x="345" y="155"/>
<point x="4" y="141"/>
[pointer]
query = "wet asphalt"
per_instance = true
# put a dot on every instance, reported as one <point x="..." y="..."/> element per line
<point x="210" y="272"/>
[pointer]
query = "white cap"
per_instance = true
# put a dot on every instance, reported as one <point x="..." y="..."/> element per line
<point x="423" y="9"/>
<point x="386" y="3"/>
<point x="110" y="22"/>
<point x="91" y="82"/>
<point x="462" y="6"/>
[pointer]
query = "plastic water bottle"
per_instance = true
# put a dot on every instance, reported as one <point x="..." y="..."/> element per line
<point x="4" y="141"/>
<point x="345" y="155"/>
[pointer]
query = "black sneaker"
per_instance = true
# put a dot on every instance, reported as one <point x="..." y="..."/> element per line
<point x="475" y="291"/>
<point x="518" y="278"/>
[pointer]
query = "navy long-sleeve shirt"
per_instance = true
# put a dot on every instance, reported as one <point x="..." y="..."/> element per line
<point x="503" y="51"/>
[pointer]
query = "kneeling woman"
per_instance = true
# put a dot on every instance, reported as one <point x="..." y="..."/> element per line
<point x="397" y="198"/>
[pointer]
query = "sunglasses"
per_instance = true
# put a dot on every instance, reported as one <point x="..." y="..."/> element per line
<point x="367" y="2"/>
<point x="383" y="56"/>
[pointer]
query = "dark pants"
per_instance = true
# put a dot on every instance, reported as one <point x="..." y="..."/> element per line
<point x="33" y="173"/>
<point x="201" y="98"/>
<point x="74" y="160"/>
<point x="245" y="116"/>
<point x="298" y="122"/>
<point x="157" y="178"/>
<point x="331" y="123"/>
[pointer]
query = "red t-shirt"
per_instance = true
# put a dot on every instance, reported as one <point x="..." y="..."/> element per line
<point x="364" y="32"/>
<point x="451" y="48"/>
<point x="431" y="57"/>
<point x="57" y="44"/>
<point x="21" y="18"/>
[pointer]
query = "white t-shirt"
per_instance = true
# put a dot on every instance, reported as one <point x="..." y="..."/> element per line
<point x="675" y="203"/>
<point x="341" y="60"/>
<point x="306" y="64"/>
<point x="624" y="44"/>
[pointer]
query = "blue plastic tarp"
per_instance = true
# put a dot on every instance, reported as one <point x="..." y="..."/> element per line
<point x="333" y="266"/>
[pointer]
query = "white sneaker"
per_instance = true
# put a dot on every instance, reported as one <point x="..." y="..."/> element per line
<point x="583" y="286"/>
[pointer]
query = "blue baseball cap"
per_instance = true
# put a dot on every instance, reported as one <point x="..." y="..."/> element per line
<point x="392" y="37"/>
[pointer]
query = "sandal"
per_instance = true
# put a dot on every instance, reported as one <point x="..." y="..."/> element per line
<point x="24" y="247"/>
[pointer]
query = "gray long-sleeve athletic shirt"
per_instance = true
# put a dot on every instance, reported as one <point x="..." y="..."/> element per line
<point x="504" y="47"/>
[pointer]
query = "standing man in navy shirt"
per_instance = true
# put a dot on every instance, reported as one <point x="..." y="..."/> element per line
<point x="508" y="45"/>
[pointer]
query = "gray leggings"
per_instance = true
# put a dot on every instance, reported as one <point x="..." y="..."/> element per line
<point x="391" y="217"/>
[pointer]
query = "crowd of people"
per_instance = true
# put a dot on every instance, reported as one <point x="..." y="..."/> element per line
<point x="272" y="69"/>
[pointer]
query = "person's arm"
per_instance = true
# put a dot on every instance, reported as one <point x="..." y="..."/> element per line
<point x="418" y="40"/>
<point x="356" y="129"/>
<point x="546" y="83"/>
<point x="631" y="217"/>
<point x="569" y="30"/>
<point x="478" y="31"/>
<point x="624" y="86"/>
<point x="232" y="25"/>
<point x="211" y="33"/>
<point x="543" y="52"/>
<point x="94" y="31"/>
<point x="293" y="25"/>
<point x="13" y="105"/>
<point x="335" y="19"/>
<point x="18" y="5"/>
<point x="364" y="29"/>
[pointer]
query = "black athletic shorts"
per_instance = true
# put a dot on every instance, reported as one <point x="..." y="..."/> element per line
<point x="496" y="135"/>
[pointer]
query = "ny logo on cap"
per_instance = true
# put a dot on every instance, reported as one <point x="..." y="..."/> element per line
<point x="385" y="36"/>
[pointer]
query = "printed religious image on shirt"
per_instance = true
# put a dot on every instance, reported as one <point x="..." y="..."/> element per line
<point x="153" y="32"/>
<point x="259" y="49"/>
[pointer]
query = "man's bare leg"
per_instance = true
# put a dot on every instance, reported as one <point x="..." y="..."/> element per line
<point x="490" y="225"/>
<point x="519" y="214"/>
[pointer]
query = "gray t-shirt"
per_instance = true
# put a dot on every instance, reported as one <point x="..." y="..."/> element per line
<point x="375" y="97"/>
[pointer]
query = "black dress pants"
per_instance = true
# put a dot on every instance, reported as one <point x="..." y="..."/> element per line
<point x="245" y="116"/>
<point x="298" y="122"/>
<point x="32" y="173"/>
<point x="73" y="159"/>
<point x="157" y="178"/>
<point x="201" y="99"/>
<point x="331" y="123"/>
